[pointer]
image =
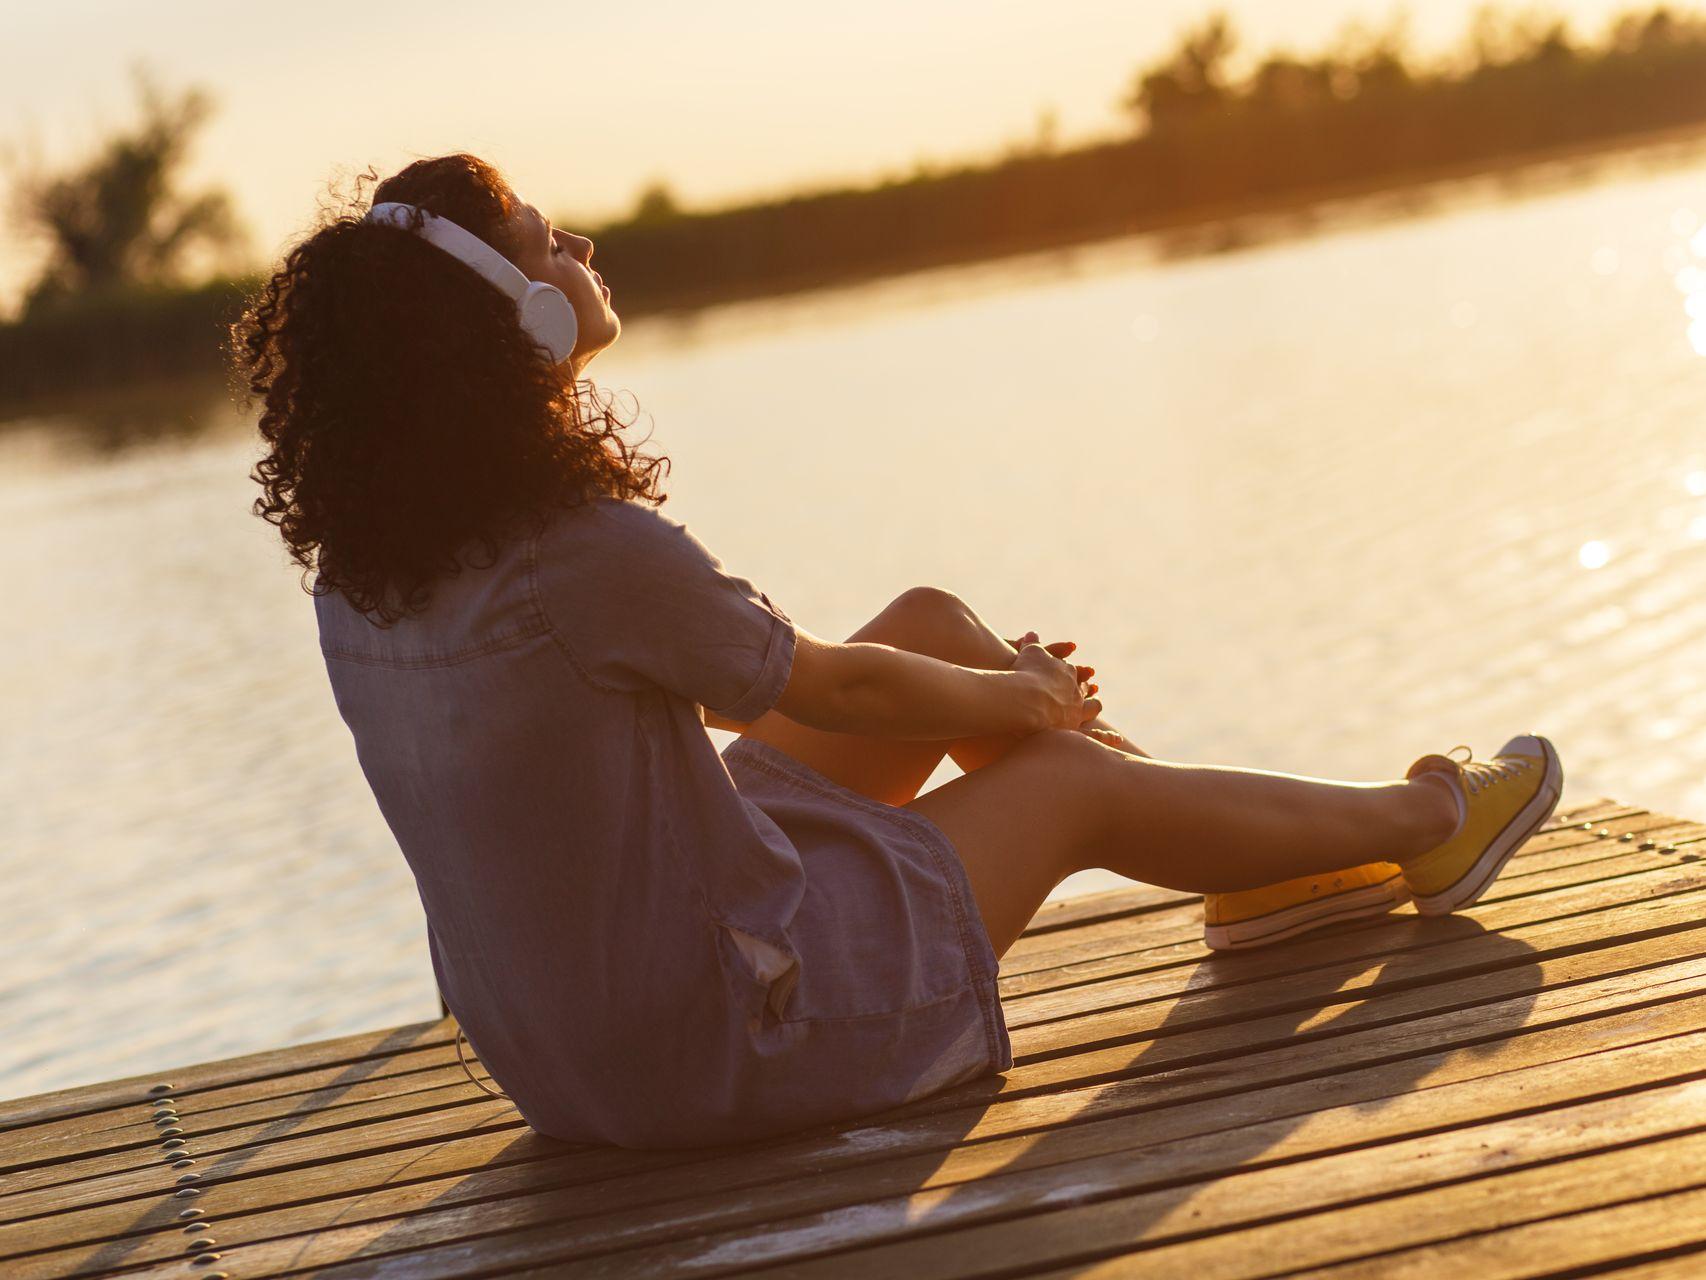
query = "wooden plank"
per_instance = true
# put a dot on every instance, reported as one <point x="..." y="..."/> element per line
<point x="1366" y="1234"/>
<point x="1598" y="1238"/>
<point x="1682" y="1266"/>
<point x="310" y="1127"/>
<point x="1075" y="1035"/>
<point x="1089" y="909"/>
<point x="1035" y="1218"/>
<point x="310" y="1087"/>
<point x="1372" y="938"/>
<point x="1458" y="952"/>
<point x="226" y="1192"/>
<point x="354" y="1056"/>
<point x="398" y="1090"/>
<point x="1199" y="1144"/>
<point x="1611" y="859"/>
<point x="1366" y="1069"/>
<point x="149" y="1183"/>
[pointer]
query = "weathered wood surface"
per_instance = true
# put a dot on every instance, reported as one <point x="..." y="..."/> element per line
<point x="1518" y="1090"/>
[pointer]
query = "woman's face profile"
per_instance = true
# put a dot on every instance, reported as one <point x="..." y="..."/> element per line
<point x="562" y="258"/>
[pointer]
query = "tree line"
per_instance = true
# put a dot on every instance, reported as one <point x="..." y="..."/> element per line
<point x="1207" y="134"/>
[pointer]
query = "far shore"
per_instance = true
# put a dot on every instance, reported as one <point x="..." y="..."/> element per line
<point x="1232" y="224"/>
<point x="185" y="324"/>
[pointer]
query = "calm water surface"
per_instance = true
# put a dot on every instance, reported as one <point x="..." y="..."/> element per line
<point x="1316" y="507"/>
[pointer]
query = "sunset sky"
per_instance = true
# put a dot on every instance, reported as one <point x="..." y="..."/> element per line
<point x="583" y="105"/>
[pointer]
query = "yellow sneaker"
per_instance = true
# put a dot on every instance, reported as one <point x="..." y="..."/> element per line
<point x="1502" y="802"/>
<point x="1256" y="917"/>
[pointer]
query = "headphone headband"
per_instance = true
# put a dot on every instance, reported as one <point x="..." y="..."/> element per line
<point x="544" y="310"/>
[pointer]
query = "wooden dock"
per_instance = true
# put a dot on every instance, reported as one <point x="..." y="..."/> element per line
<point x="1519" y="1090"/>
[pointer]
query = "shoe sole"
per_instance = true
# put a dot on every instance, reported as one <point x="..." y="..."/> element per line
<point x="1276" y="926"/>
<point x="1524" y="823"/>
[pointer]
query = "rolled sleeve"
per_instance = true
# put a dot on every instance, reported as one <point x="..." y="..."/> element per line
<point x="772" y="678"/>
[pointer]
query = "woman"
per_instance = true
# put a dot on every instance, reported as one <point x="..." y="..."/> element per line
<point x="648" y="943"/>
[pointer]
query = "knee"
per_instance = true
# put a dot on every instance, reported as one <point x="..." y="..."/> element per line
<point x="927" y="605"/>
<point x="1072" y="750"/>
<point x="1069" y="764"/>
<point x="931" y="621"/>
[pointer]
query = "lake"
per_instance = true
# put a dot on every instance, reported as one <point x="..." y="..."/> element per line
<point x="1320" y="505"/>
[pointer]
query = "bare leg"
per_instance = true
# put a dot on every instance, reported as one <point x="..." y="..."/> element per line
<point x="923" y="620"/>
<point x="1060" y="802"/>
<point x="1030" y="811"/>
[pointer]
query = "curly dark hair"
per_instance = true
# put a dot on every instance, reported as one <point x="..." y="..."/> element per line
<point x="406" y="414"/>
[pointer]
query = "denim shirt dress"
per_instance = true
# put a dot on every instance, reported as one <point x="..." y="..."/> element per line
<point x="649" y="943"/>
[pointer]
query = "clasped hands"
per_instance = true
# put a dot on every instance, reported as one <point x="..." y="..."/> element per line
<point x="1059" y="650"/>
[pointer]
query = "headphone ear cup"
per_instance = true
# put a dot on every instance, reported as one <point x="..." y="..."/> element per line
<point x="548" y="318"/>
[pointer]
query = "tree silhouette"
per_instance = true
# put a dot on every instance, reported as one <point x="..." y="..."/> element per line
<point x="657" y="203"/>
<point x="1192" y="82"/>
<point x="1374" y="60"/>
<point x="118" y="219"/>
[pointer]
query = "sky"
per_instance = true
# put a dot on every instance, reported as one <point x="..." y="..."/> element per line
<point x="582" y="106"/>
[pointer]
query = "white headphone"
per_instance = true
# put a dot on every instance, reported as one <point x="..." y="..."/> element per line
<point x="545" y="311"/>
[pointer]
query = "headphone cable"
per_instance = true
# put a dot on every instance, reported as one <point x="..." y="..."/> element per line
<point x="461" y="1038"/>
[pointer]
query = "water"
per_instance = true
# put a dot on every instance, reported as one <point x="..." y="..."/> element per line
<point x="1317" y="507"/>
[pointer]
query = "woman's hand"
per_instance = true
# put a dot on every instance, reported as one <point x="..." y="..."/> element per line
<point x="1060" y="649"/>
<point x="1109" y="737"/>
<point x="1061" y="687"/>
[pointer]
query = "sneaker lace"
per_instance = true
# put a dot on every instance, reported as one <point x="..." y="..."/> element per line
<point x="1485" y="773"/>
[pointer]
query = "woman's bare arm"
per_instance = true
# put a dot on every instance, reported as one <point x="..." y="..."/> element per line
<point x="876" y="689"/>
